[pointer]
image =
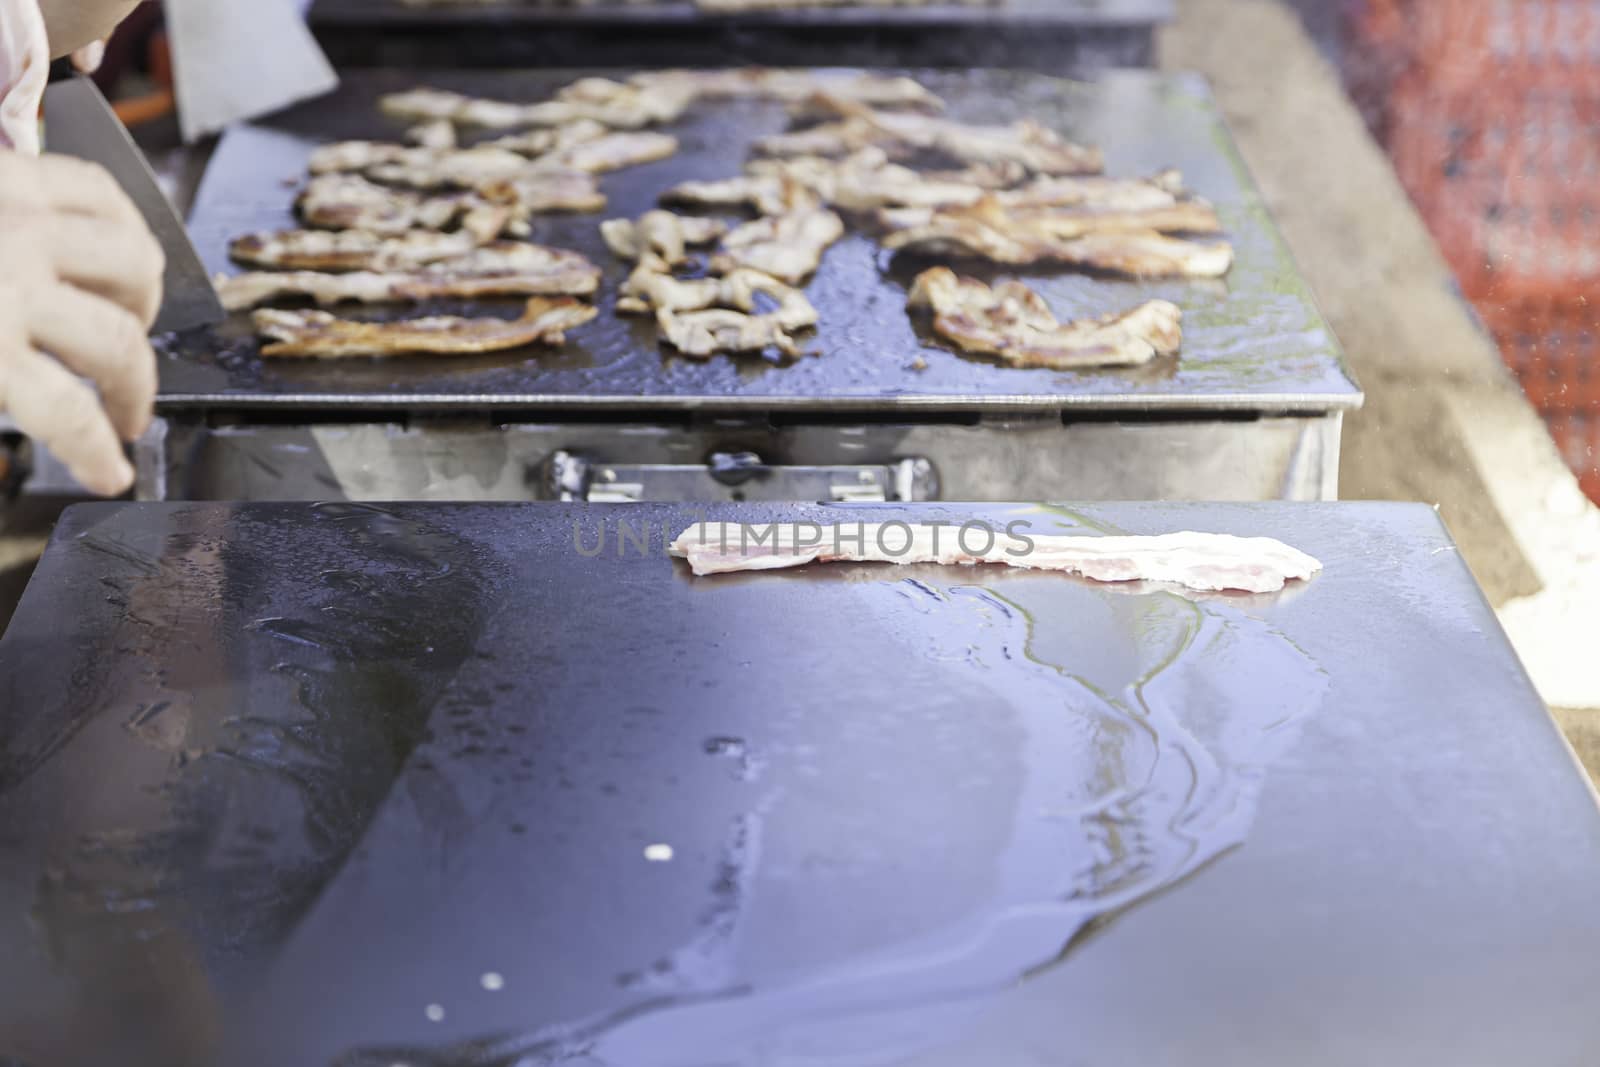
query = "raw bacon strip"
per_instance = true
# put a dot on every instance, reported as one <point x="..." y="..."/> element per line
<point x="317" y="334"/>
<point x="1206" y="562"/>
<point x="504" y="269"/>
<point x="1014" y="323"/>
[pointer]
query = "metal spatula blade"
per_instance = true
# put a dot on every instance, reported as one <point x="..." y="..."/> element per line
<point x="79" y="122"/>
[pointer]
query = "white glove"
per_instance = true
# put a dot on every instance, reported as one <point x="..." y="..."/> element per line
<point x="80" y="284"/>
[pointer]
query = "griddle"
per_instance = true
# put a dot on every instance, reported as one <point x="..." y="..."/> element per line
<point x="1253" y="344"/>
<point x="1049" y="35"/>
<point x="340" y="784"/>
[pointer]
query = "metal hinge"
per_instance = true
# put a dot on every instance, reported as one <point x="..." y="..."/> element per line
<point x="738" y="476"/>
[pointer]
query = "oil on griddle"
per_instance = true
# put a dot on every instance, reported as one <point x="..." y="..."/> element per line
<point x="1255" y="335"/>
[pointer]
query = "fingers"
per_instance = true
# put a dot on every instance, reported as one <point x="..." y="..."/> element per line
<point x="54" y="408"/>
<point x="102" y="341"/>
<point x="120" y="263"/>
<point x="62" y="183"/>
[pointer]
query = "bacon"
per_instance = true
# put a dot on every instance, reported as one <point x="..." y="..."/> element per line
<point x="650" y="288"/>
<point x="344" y="250"/>
<point x="702" y="334"/>
<point x="504" y="269"/>
<point x="317" y="334"/>
<point x="769" y="194"/>
<point x="867" y="181"/>
<point x="615" y="104"/>
<point x="792" y="86"/>
<point x="612" y="152"/>
<point x="1026" y="143"/>
<point x="1205" y="562"/>
<point x="788" y="247"/>
<point x="542" y="191"/>
<point x="1014" y="323"/>
<point x="1109" y="242"/>
<point x="659" y="233"/>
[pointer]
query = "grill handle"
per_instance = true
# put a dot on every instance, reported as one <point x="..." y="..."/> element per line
<point x="735" y="477"/>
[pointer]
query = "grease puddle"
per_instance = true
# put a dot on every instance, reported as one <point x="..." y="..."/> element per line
<point x="1147" y="725"/>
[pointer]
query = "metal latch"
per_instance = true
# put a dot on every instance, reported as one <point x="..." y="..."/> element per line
<point x="738" y="476"/>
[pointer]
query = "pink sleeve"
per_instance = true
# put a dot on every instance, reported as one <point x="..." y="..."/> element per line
<point x="24" y="69"/>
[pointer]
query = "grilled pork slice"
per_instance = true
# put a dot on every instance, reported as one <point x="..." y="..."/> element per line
<point x="343" y="250"/>
<point x="1014" y="323"/>
<point x="505" y="269"/>
<point x="787" y="247"/>
<point x="877" y="90"/>
<point x="990" y="232"/>
<point x="769" y="194"/>
<point x="660" y="233"/>
<point x="702" y="334"/>
<point x="652" y="288"/>
<point x="1205" y="562"/>
<point x="317" y="334"/>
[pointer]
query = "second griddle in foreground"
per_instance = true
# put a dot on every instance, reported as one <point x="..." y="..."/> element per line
<point x="268" y="751"/>
<point x="1252" y="344"/>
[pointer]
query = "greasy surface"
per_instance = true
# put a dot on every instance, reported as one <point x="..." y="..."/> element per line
<point x="389" y="752"/>
<point x="1254" y="341"/>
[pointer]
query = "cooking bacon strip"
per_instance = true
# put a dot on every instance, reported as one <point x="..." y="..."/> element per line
<point x="344" y="250"/>
<point x="1014" y="323"/>
<point x="1115" y="243"/>
<point x="1206" y="562"/>
<point x="317" y="334"/>
<point x="507" y="268"/>
<point x="793" y="86"/>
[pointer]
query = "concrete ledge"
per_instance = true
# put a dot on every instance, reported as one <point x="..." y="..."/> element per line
<point x="1445" y="421"/>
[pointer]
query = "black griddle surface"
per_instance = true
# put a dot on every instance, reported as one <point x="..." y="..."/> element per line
<point x="1254" y="342"/>
<point x="283" y="782"/>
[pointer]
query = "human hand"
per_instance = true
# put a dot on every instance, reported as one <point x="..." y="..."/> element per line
<point x="80" y="284"/>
